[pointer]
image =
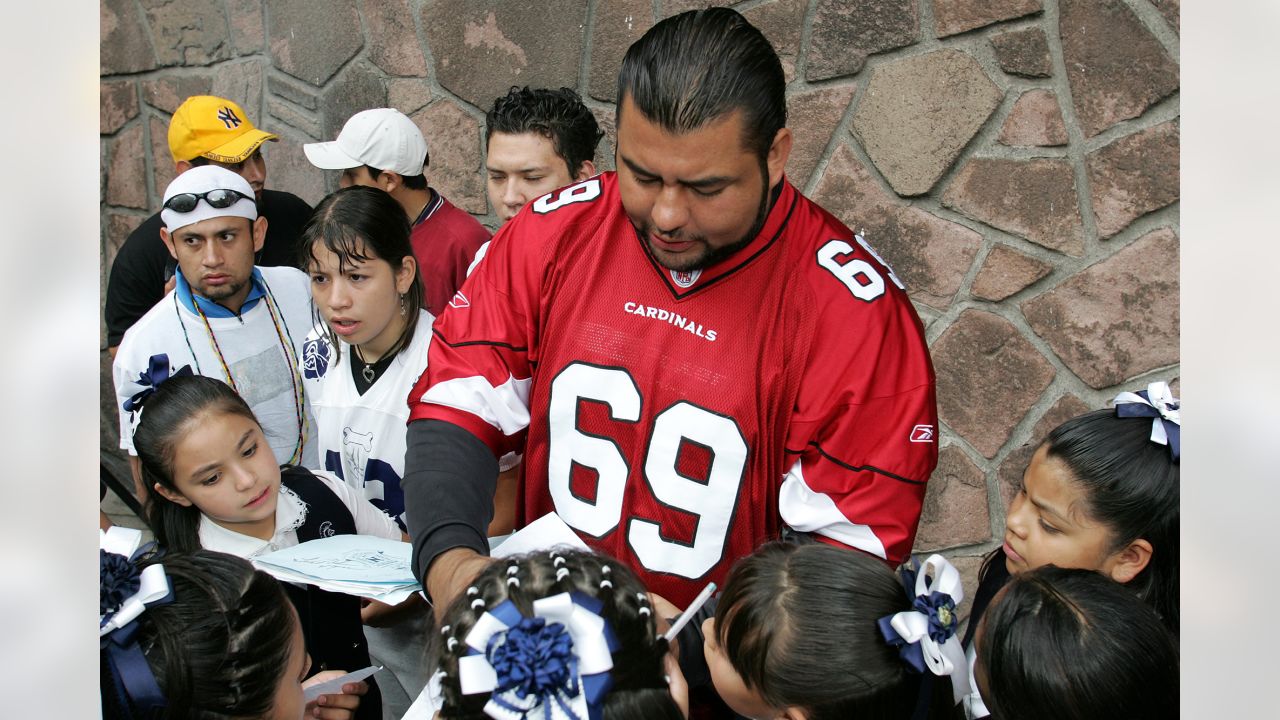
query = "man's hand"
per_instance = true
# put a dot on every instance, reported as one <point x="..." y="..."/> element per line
<point x="450" y="574"/>
<point x="333" y="706"/>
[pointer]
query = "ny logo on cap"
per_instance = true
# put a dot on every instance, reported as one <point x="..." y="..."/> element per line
<point x="228" y="118"/>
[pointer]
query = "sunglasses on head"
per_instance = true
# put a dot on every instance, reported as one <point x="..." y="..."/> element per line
<point x="219" y="198"/>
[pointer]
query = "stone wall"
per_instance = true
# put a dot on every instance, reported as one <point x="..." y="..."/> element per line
<point x="1016" y="161"/>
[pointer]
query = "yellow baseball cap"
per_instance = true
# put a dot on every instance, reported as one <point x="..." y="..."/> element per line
<point x="215" y="128"/>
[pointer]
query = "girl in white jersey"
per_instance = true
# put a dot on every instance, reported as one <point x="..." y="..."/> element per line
<point x="368" y="347"/>
<point x="370" y="342"/>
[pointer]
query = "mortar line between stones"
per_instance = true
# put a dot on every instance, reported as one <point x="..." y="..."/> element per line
<point x="806" y="37"/>
<point x="839" y="133"/>
<point x="588" y="46"/>
<point x="1160" y="28"/>
<point x="1075" y="135"/>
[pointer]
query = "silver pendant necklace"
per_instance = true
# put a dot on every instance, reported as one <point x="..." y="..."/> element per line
<point x="367" y="372"/>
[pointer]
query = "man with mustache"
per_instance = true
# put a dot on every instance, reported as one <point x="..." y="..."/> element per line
<point x="696" y="357"/>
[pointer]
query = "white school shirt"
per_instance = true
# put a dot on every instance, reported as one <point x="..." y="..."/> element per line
<point x="251" y="347"/>
<point x="291" y="512"/>
<point x="362" y="438"/>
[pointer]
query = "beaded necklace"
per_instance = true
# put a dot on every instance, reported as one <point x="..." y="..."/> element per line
<point x="286" y="345"/>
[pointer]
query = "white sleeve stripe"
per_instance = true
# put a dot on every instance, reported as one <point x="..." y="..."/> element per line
<point x="808" y="511"/>
<point x="505" y="407"/>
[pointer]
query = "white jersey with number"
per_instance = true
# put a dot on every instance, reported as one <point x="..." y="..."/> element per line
<point x="362" y="437"/>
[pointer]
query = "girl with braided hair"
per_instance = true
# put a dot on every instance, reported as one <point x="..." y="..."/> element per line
<point x="223" y="643"/>
<point x="567" y="631"/>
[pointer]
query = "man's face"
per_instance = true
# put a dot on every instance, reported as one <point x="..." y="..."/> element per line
<point x="253" y="169"/>
<point x="522" y="167"/>
<point x="216" y="256"/>
<point x="698" y="196"/>
<point x="358" y="175"/>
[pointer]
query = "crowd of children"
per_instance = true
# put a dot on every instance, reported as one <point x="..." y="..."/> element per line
<point x="1075" y="616"/>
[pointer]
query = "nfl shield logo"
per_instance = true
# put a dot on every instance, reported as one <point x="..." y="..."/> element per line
<point x="685" y="278"/>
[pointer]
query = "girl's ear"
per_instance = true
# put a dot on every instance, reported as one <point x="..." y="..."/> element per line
<point x="172" y="496"/>
<point x="1125" y="564"/>
<point x="794" y="713"/>
<point x="404" y="274"/>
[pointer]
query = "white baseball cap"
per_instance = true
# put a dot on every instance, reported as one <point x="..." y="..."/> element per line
<point x="201" y="182"/>
<point x="383" y="138"/>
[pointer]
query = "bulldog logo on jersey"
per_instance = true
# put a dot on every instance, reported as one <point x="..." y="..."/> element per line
<point x="315" y="358"/>
<point x="685" y="278"/>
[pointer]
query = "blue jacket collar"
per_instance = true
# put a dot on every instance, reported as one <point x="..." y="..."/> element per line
<point x="257" y="290"/>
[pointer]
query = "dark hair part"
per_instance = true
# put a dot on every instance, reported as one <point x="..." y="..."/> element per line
<point x="411" y="182"/>
<point x="1131" y="486"/>
<point x="360" y="224"/>
<point x="557" y="115"/>
<point x="1070" y="644"/>
<point x="639" y="688"/>
<point x="701" y="65"/>
<point x="798" y="624"/>
<point x="219" y="649"/>
<point x="175" y="408"/>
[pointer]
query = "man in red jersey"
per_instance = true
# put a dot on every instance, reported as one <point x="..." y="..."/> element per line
<point x="692" y="354"/>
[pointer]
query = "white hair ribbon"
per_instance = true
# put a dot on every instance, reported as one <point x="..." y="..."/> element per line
<point x="926" y="635"/>
<point x="1158" y="403"/>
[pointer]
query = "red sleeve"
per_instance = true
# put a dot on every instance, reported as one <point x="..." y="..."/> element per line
<point x="864" y="435"/>
<point x="478" y="370"/>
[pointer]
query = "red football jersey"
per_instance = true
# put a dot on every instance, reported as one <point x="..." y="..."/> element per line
<point x="676" y="420"/>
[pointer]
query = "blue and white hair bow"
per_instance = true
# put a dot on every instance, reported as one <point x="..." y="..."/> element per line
<point x="1158" y="402"/>
<point x="123" y="594"/>
<point x="552" y="666"/>
<point x="926" y="635"/>
<point x="156" y="373"/>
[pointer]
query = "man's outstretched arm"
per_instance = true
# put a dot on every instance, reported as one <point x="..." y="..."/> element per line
<point x="450" y="479"/>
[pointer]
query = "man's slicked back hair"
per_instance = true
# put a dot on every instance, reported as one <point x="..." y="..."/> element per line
<point x="557" y="115"/>
<point x="699" y="66"/>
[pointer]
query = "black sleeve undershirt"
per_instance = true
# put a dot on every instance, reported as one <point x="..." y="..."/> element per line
<point x="449" y="481"/>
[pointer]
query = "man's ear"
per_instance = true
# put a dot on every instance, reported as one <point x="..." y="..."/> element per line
<point x="172" y="496"/>
<point x="259" y="233"/>
<point x="1125" y="564"/>
<point x="181" y="166"/>
<point x="168" y="241"/>
<point x="779" y="151"/>
<point x="389" y="181"/>
<point x="585" y="170"/>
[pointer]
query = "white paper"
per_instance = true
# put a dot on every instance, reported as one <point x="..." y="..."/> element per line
<point x="349" y="558"/>
<point x="428" y="702"/>
<point x="546" y="532"/>
<point x="334" y="686"/>
<point x="359" y="565"/>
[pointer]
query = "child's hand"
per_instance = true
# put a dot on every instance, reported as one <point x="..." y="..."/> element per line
<point x="332" y="706"/>
<point x="663" y="613"/>
<point x="380" y="614"/>
<point x="676" y="683"/>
